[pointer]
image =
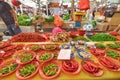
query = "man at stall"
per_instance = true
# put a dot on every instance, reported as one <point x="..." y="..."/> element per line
<point x="9" y="17"/>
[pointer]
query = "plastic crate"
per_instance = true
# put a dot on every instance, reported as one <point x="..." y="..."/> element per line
<point x="77" y="24"/>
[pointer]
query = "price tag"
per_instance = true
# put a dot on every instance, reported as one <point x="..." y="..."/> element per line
<point x="64" y="54"/>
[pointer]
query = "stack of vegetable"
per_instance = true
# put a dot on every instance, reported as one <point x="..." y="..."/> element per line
<point x="113" y="46"/>
<point x="100" y="46"/>
<point x="109" y="64"/>
<point x="102" y="37"/>
<point x="49" y="70"/>
<point x="92" y="68"/>
<point x="66" y="17"/>
<point x="28" y="37"/>
<point x="24" y="20"/>
<point x="49" y="19"/>
<point x="113" y="54"/>
<point x="71" y="67"/>
<point x="28" y="70"/>
<point x="8" y="68"/>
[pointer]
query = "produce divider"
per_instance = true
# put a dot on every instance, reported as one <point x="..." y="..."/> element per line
<point x="73" y="69"/>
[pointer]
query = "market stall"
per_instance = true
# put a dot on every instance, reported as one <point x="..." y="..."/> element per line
<point x="37" y="56"/>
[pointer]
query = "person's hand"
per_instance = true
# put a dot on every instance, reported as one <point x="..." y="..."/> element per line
<point x="16" y="25"/>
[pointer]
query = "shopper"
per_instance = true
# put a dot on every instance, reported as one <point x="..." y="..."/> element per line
<point x="9" y="17"/>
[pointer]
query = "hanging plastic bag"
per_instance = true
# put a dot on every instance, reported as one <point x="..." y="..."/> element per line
<point x="84" y="4"/>
<point x="58" y="22"/>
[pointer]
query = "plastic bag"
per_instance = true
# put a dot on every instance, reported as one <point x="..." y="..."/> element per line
<point x="84" y="4"/>
<point x="58" y="22"/>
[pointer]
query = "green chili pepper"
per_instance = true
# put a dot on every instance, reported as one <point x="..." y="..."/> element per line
<point x="27" y="70"/>
<point x="113" y="54"/>
<point x="26" y="57"/>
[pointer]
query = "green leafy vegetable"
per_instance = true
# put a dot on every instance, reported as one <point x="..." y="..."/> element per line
<point x="27" y="70"/>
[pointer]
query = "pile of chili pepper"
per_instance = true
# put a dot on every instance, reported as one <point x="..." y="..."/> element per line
<point x="70" y="65"/>
<point x="97" y="52"/>
<point x="108" y="63"/>
<point x="7" y="49"/>
<point x="28" y="37"/>
<point x="90" y="66"/>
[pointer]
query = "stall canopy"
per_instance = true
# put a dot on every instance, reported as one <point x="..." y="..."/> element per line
<point x="29" y="3"/>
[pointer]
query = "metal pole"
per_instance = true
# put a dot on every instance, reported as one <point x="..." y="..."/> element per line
<point x="38" y="1"/>
<point x="47" y="7"/>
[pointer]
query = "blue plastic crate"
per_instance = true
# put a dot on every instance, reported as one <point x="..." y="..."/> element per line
<point x="77" y="24"/>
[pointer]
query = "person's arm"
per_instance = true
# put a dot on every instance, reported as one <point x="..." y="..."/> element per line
<point x="15" y="17"/>
<point x="117" y="28"/>
<point x="13" y="13"/>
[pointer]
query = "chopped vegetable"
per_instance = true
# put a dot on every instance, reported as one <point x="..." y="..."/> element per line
<point x="113" y="54"/>
<point x="8" y="68"/>
<point x="50" y="69"/>
<point x="4" y="70"/>
<point x="45" y="56"/>
<point x="34" y="47"/>
<point x="78" y="38"/>
<point x="113" y="46"/>
<point x="26" y="57"/>
<point x="100" y="46"/>
<point x="27" y="70"/>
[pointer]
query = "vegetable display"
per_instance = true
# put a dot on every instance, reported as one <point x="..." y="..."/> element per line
<point x="27" y="71"/>
<point x="109" y="64"/>
<point x="44" y="56"/>
<point x="71" y="67"/>
<point x="49" y="70"/>
<point x="92" y="68"/>
<point x="66" y="17"/>
<point x="49" y="19"/>
<point x="113" y="54"/>
<point x="28" y="37"/>
<point x="97" y="52"/>
<point x="33" y="47"/>
<point x="8" y="68"/>
<point x="102" y="37"/>
<point x="24" y="20"/>
<point x="100" y="46"/>
<point x="61" y="37"/>
<point x="51" y="47"/>
<point x="113" y="46"/>
<point x="23" y="57"/>
<point x="79" y="38"/>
